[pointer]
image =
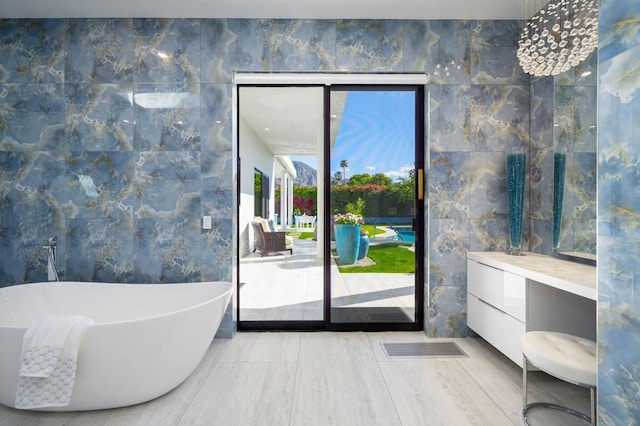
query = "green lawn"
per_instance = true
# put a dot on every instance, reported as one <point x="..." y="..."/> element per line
<point x="370" y="229"/>
<point x="389" y="258"/>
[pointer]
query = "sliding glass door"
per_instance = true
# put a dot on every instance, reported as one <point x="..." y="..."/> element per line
<point x="375" y="155"/>
<point x="330" y="209"/>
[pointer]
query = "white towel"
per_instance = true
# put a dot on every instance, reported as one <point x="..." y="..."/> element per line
<point x="48" y="361"/>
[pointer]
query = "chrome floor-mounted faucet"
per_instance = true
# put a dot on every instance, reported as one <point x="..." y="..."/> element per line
<point x="52" y="267"/>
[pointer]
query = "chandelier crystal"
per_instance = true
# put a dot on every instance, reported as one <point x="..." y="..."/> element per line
<point x="560" y="36"/>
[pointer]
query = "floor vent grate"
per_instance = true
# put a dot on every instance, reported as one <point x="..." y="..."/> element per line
<point x="424" y="349"/>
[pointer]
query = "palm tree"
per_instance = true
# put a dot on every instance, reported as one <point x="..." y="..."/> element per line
<point x="344" y="164"/>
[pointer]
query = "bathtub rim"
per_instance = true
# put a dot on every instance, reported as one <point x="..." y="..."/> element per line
<point x="225" y="293"/>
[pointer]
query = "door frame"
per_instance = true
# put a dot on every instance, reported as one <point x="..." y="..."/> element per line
<point x="285" y="79"/>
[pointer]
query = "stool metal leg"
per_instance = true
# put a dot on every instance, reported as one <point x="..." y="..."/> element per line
<point x="526" y="407"/>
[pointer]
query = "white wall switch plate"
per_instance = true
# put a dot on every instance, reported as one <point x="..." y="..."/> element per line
<point x="206" y="222"/>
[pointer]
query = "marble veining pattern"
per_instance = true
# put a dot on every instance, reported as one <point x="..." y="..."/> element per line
<point x="99" y="51"/>
<point x="167" y="50"/>
<point x="32" y="117"/>
<point x="99" y="117"/>
<point x="369" y="45"/>
<point x="302" y="45"/>
<point x="618" y="212"/>
<point x="135" y="118"/>
<point x="32" y="50"/>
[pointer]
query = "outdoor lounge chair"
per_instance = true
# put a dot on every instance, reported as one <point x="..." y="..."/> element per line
<point x="268" y="241"/>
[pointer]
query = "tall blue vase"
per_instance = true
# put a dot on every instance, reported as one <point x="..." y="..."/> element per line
<point x="347" y="242"/>
<point x="559" y="164"/>
<point x="516" y="169"/>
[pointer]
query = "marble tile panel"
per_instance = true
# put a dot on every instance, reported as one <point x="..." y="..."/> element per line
<point x="487" y="234"/>
<point x="302" y="45"/>
<point x="217" y="170"/>
<point x="580" y="184"/>
<point x="167" y="166"/>
<point x="541" y="236"/>
<point x="217" y="203"/>
<point x="541" y="109"/>
<point x="541" y="184"/>
<point x="618" y="325"/>
<point x="230" y="45"/>
<point x="99" y="185"/>
<point x="447" y="312"/>
<point x="449" y="185"/>
<point x="31" y="117"/>
<point x="100" y="250"/>
<point x="99" y="117"/>
<point x="618" y="207"/>
<point x="493" y="53"/>
<point x="99" y="51"/>
<point x="369" y="45"/>
<point x="450" y="118"/>
<point x="447" y="254"/>
<point x="499" y="117"/>
<point x="32" y="50"/>
<point x="167" y="250"/>
<point x="29" y="213"/>
<point x="488" y="185"/>
<point x="618" y="28"/>
<point x="167" y="199"/>
<point x="167" y="117"/>
<point x="438" y="47"/>
<point x="167" y="50"/>
<point x="216" y="110"/>
<point x="217" y="251"/>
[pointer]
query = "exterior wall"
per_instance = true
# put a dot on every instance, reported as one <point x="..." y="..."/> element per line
<point x="254" y="154"/>
<point x="86" y="155"/>
<point x="618" y="211"/>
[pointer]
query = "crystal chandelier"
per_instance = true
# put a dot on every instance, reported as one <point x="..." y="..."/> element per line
<point x="560" y="36"/>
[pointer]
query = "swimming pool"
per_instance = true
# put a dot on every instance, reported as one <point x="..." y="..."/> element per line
<point x="405" y="233"/>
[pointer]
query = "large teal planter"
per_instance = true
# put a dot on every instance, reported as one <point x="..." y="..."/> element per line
<point x="347" y="242"/>
<point x="516" y="168"/>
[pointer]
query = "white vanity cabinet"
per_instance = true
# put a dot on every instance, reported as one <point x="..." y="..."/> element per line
<point x="496" y="307"/>
<point x="509" y="295"/>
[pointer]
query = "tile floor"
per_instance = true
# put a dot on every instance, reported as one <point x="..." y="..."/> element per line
<point x="329" y="378"/>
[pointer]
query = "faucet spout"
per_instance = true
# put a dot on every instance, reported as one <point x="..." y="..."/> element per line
<point x="52" y="258"/>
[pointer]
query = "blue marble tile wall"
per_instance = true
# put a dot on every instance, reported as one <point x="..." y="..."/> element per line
<point x="115" y="135"/>
<point x="618" y="212"/>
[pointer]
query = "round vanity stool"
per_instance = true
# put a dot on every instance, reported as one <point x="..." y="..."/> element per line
<point x="566" y="357"/>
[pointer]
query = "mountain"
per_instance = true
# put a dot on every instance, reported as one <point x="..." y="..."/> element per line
<point x="307" y="175"/>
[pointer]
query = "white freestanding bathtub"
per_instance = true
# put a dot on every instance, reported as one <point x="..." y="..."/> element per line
<point x="146" y="340"/>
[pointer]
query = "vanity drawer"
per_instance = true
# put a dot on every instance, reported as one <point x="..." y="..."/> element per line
<point x="499" y="329"/>
<point x="503" y="290"/>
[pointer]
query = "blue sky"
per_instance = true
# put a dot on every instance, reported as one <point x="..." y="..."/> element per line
<point x="376" y="134"/>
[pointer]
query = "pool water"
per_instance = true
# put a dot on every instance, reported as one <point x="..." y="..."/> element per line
<point x="405" y="233"/>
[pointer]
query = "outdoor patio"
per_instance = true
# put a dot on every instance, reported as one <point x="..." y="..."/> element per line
<point x="288" y="287"/>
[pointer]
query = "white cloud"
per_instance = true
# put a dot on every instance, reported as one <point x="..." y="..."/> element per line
<point x="403" y="172"/>
<point x="370" y="168"/>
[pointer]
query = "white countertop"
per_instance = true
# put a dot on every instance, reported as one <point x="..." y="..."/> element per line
<point x="572" y="277"/>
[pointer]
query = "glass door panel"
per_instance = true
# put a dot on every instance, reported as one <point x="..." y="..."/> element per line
<point x="280" y="267"/>
<point x="375" y="158"/>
